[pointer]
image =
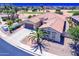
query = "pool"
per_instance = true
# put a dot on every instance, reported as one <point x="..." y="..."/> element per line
<point x="8" y="50"/>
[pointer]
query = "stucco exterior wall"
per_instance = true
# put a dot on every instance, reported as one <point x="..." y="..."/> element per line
<point x="38" y="24"/>
<point x="57" y="38"/>
<point x="53" y="35"/>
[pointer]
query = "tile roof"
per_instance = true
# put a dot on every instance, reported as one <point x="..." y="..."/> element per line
<point x="54" y="21"/>
<point x="3" y="15"/>
<point x="76" y="17"/>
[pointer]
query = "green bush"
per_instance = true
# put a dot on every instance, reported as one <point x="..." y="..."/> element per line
<point x="9" y="22"/>
<point x="18" y="20"/>
<point x="74" y="33"/>
<point x="58" y="11"/>
<point x="4" y="19"/>
<point x="29" y="16"/>
<point x="34" y="10"/>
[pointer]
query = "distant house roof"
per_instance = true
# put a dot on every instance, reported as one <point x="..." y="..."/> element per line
<point x="3" y="15"/>
<point x="76" y="17"/>
<point x="6" y="15"/>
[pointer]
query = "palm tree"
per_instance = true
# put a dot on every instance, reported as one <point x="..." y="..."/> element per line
<point x="70" y="23"/>
<point x="9" y="12"/>
<point x="74" y="33"/>
<point x="6" y="12"/>
<point x="6" y="7"/>
<point x="26" y="9"/>
<point x="38" y="36"/>
<point x="9" y="23"/>
<point x="43" y="8"/>
<point x="16" y="9"/>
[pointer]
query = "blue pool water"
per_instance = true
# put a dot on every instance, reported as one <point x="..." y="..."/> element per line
<point x="8" y="50"/>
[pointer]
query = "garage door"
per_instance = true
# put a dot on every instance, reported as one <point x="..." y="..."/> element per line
<point x="29" y="26"/>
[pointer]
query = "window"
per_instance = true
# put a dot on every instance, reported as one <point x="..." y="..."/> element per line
<point x="53" y="35"/>
<point x="47" y="34"/>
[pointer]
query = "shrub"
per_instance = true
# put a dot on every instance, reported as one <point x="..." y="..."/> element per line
<point x="74" y="33"/>
<point x="18" y="20"/>
<point x="29" y="16"/>
<point x="34" y="10"/>
<point x="0" y="22"/>
<point x="4" y="19"/>
<point x="9" y="22"/>
<point x="58" y="11"/>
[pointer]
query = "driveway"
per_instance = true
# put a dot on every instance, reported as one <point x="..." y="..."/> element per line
<point x="21" y="34"/>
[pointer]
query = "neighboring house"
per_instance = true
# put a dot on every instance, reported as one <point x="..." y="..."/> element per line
<point x="75" y="19"/>
<point x="53" y="24"/>
<point x="11" y="15"/>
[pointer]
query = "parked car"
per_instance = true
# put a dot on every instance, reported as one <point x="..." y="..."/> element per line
<point x="5" y="28"/>
<point x="15" y="26"/>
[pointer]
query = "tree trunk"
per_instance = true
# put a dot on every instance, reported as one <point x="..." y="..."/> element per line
<point x="10" y="31"/>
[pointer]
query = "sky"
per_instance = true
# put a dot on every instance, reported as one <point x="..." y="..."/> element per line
<point x="43" y="4"/>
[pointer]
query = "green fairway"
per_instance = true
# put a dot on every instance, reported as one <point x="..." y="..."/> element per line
<point x="33" y="12"/>
<point x="74" y="11"/>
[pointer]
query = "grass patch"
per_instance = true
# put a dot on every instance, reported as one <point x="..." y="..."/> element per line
<point x="33" y="12"/>
<point x="73" y="11"/>
<point x="0" y="28"/>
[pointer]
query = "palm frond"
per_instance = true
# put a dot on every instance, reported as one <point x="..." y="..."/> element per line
<point x="37" y="35"/>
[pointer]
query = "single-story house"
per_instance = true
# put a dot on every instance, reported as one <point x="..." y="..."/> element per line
<point x="53" y="24"/>
<point x="75" y="19"/>
<point x="6" y="15"/>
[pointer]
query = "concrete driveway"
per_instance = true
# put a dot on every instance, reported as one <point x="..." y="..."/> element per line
<point x="21" y="34"/>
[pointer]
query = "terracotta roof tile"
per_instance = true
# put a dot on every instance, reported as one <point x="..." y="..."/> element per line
<point x="52" y="20"/>
<point x="55" y="21"/>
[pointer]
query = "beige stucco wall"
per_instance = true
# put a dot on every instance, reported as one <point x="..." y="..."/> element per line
<point x="38" y="24"/>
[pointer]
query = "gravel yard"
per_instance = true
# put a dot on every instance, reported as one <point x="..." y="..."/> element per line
<point x="55" y="48"/>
